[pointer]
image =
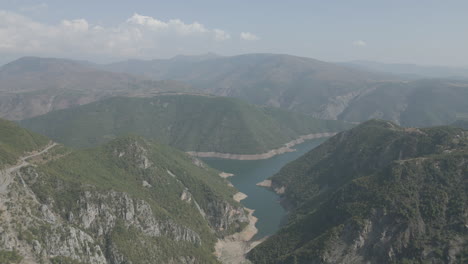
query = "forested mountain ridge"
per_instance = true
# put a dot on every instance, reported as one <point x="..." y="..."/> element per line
<point x="188" y="122"/>
<point x="378" y="193"/>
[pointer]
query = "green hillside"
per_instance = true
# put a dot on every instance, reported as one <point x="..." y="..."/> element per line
<point x="128" y="201"/>
<point x="15" y="141"/>
<point x="377" y="193"/>
<point x="122" y="166"/>
<point x="190" y="123"/>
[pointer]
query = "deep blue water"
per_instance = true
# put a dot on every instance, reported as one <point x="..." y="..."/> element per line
<point x="247" y="173"/>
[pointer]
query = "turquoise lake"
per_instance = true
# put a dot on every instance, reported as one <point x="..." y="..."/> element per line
<point x="247" y="173"/>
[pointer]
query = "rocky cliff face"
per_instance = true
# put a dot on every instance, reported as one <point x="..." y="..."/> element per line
<point x="36" y="232"/>
<point x="81" y="235"/>
<point x="223" y="216"/>
<point x="54" y="213"/>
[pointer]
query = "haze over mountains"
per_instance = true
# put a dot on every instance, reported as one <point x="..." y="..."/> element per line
<point x="411" y="71"/>
<point x="114" y="193"/>
<point x="294" y="83"/>
<point x="321" y="89"/>
<point x="32" y="86"/>
<point x="233" y="132"/>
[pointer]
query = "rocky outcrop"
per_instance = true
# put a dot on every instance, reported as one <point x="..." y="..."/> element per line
<point x="183" y="260"/>
<point x="223" y="216"/>
<point x="336" y="105"/>
<point x="99" y="213"/>
<point x="134" y="153"/>
<point x="47" y="231"/>
<point x="232" y="249"/>
<point x="54" y="218"/>
<point x="70" y="242"/>
<point x="37" y="232"/>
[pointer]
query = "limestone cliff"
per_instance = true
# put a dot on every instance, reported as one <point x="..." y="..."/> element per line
<point x="130" y="201"/>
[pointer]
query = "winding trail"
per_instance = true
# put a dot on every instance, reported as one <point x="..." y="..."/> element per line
<point x="6" y="176"/>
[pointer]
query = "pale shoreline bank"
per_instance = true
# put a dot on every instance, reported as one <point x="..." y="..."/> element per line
<point x="265" y="183"/>
<point x="225" y="175"/>
<point x="286" y="148"/>
<point x="232" y="249"/>
<point x="268" y="184"/>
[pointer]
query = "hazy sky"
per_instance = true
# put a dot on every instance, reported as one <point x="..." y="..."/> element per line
<point x="429" y="32"/>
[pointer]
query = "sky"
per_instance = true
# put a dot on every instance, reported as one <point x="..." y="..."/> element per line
<point x="425" y="32"/>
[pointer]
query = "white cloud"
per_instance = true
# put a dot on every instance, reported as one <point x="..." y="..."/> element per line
<point x="221" y="35"/>
<point x="147" y="21"/>
<point x="137" y="36"/>
<point x="78" y="25"/>
<point x="359" y="43"/>
<point x="175" y="25"/>
<point x="248" y="36"/>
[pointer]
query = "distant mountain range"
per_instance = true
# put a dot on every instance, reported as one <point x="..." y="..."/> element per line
<point x="377" y="193"/>
<point x="410" y="71"/>
<point x="321" y="89"/>
<point x="188" y="122"/>
<point x="34" y="86"/>
<point x="462" y="123"/>
<point x="294" y="83"/>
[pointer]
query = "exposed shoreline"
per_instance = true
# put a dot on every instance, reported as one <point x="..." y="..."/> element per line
<point x="225" y="175"/>
<point x="265" y="183"/>
<point x="232" y="249"/>
<point x="286" y="148"/>
<point x="268" y="184"/>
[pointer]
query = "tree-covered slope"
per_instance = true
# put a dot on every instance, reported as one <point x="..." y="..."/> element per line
<point x="190" y="123"/>
<point x="16" y="141"/>
<point x="128" y="201"/>
<point x="377" y="193"/>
